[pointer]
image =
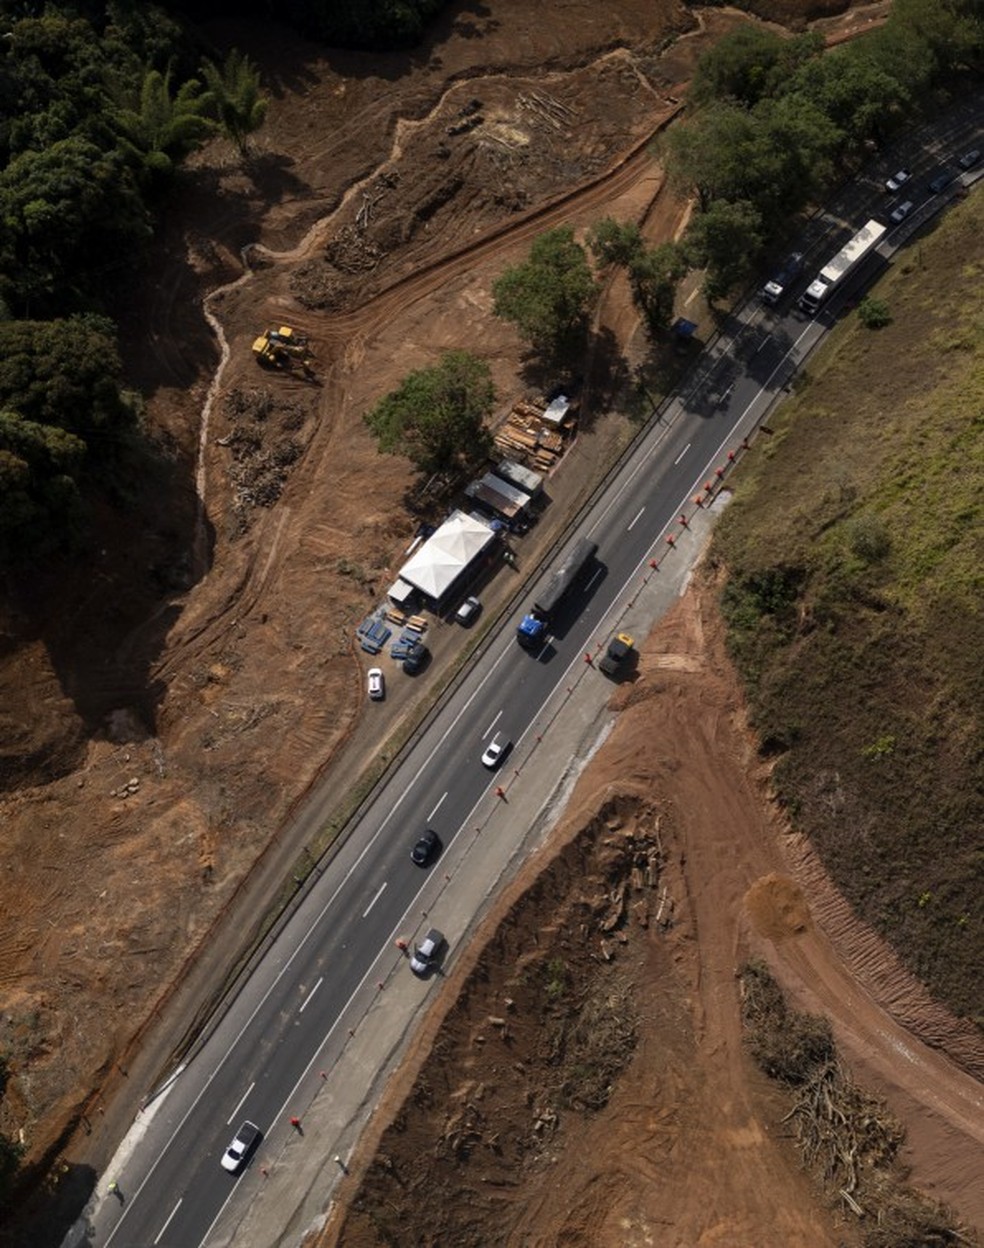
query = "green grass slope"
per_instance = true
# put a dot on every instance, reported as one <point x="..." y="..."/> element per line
<point x="854" y="606"/>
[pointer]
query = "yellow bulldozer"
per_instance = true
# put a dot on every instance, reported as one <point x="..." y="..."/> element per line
<point x="282" y="348"/>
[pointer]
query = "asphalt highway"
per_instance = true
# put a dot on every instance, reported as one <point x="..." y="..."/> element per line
<point x="284" y="1026"/>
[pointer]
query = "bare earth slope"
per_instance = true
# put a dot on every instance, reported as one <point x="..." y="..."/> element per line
<point x="490" y="1136"/>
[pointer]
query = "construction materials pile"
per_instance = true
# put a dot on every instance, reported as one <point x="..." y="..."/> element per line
<point x="538" y="438"/>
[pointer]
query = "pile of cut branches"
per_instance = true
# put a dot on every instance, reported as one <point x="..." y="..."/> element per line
<point x="849" y="1140"/>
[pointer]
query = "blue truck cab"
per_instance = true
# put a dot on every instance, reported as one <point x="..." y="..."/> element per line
<point x="533" y="628"/>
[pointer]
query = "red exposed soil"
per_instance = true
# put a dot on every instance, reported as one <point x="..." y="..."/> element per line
<point x="151" y="752"/>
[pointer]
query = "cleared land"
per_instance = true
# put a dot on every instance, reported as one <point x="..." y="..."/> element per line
<point x="305" y="523"/>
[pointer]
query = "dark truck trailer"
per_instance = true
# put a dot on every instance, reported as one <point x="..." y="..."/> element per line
<point x="534" y="626"/>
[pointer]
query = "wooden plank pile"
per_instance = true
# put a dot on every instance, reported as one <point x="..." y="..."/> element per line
<point x="525" y="434"/>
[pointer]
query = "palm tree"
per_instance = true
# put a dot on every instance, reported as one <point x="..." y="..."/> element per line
<point x="160" y="127"/>
<point x="234" y="97"/>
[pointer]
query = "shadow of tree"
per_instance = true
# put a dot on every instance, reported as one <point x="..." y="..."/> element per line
<point x="49" y="1207"/>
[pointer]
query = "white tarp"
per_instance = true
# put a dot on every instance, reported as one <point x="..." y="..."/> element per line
<point x="446" y="554"/>
<point x="400" y="592"/>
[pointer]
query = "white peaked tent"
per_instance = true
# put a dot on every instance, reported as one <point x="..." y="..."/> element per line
<point x="446" y="554"/>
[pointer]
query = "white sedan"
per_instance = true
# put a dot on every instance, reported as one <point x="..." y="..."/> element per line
<point x="497" y="750"/>
<point x="898" y="180"/>
<point x="375" y="684"/>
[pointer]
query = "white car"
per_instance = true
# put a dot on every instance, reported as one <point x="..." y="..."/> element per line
<point x="426" y="954"/>
<point x="898" y="180"/>
<point x="498" y="748"/>
<point x="244" y="1141"/>
<point x="376" y="684"/>
<point x="903" y="210"/>
<point x="468" y="611"/>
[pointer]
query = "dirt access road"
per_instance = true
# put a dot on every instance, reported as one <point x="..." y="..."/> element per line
<point x="156" y="753"/>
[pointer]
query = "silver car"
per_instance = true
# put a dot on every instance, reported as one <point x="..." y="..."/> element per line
<point x="376" y="684"/>
<point x="467" y="613"/>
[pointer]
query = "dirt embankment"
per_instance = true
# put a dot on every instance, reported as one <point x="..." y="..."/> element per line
<point x="589" y="1083"/>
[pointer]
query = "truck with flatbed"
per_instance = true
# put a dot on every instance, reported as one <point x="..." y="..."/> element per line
<point x="836" y="271"/>
<point x="532" y="630"/>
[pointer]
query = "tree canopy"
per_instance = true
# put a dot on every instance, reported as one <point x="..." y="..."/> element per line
<point x="548" y="296"/>
<point x="234" y="96"/>
<point x="749" y="64"/>
<point x="773" y="123"/>
<point x="653" y="272"/>
<point x="436" y="418"/>
<point x="725" y="240"/>
<point x="65" y="373"/>
<point x="63" y="420"/>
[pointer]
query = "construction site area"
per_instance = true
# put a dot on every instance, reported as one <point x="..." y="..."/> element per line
<point x="175" y="702"/>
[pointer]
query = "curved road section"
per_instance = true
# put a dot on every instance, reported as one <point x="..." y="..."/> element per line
<point x="300" y="1051"/>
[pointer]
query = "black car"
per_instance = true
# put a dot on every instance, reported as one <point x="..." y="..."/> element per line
<point x="415" y="658"/>
<point x="425" y="848"/>
<point x="941" y="181"/>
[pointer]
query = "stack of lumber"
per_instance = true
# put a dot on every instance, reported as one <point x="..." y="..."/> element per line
<point x="525" y="433"/>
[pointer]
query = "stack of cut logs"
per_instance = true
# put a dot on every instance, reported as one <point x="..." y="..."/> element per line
<point x="525" y="433"/>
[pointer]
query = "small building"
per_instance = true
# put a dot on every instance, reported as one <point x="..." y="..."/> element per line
<point x="498" y="496"/>
<point x="448" y="558"/>
<point x="559" y="411"/>
<point x="520" y="476"/>
<point x="402" y="594"/>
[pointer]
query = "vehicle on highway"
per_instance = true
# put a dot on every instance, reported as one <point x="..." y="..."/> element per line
<point x="497" y="749"/>
<point x="426" y="954"/>
<point x="782" y="278"/>
<point x="425" y="848"/>
<point x="243" y="1143"/>
<point x="468" y="612"/>
<point x="376" y="684"/>
<point x="836" y="271"/>
<point x="969" y="159"/>
<point x="898" y="180"/>
<point x="903" y="210"/>
<point x="532" y="630"/>
<point x="941" y="181"/>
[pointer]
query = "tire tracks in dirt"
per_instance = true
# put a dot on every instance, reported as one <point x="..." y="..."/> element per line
<point x="353" y="331"/>
<point x="733" y="838"/>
